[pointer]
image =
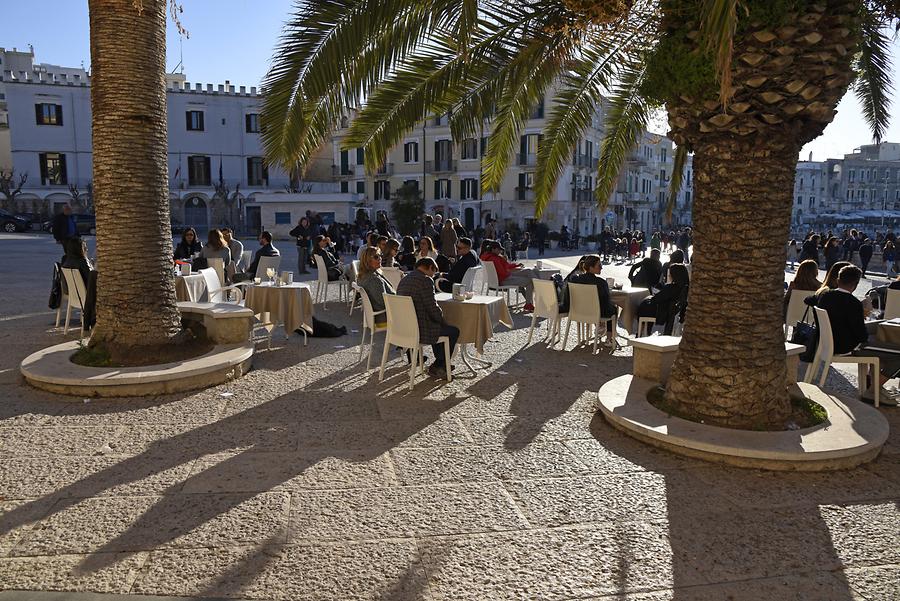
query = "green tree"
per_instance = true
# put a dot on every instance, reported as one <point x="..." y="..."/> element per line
<point x="408" y="207"/>
<point x="745" y="84"/>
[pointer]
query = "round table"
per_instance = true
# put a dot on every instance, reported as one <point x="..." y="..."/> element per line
<point x="290" y="305"/>
<point x="629" y="298"/>
<point x="190" y="288"/>
<point x="475" y="319"/>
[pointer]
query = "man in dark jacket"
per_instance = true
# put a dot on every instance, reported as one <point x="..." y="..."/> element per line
<point x="63" y="226"/>
<point x="303" y="233"/>
<point x="684" y="243"/>
<point x="265" y="250"/>
<point x="419" y="284"/>
<point x="848" y="328"/>
<point x="865" y="253"/>
<point x="648" y="272"/>
<point x="465" y="259"/>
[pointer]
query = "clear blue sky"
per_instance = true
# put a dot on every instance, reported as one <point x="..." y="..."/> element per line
<point x="234" y="39"/>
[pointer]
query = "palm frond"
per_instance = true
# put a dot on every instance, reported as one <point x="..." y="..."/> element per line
<point x="873" y="80"/>
<point x="626" y="121"/>
<point x="679" y="161"/>
<point x="718" y="22"/>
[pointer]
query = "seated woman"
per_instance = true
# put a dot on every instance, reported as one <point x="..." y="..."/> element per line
<point x="389" y="254"/>
<point x="806" y="279"/>
<point x="426" y="249"/>
<point x="373" y="281"/>
<point x="332" y="263"/>
<point x="593" y="265"/>
<point x="189" y="245"/>
<point x="677" y="256"/>
<point x="76" y="258"/>
<point x="671" y="301"/>
<point x="407" y="255"/>
<point x="216" y="247"/>
<point x="563" y="291"/>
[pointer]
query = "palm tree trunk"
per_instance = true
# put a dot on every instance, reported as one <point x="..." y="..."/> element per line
<point x="135" y="292"/>
<point x="730" y="368"/>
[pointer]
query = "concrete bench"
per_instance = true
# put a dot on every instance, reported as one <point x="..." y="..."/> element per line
<point x="225" y="323"/>
<point x="654" y="355"/>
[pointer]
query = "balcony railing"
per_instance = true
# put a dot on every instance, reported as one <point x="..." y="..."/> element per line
<point x="524" y="193"/>
<point x="527" y="158"/>
<point x="441" y="166"/>
<point x="385" y="169"/>
<point x="337" y="171"/>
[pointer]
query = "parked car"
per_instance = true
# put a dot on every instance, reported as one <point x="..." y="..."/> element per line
<point x="10" y="223"/>
<point x="84" y="224"/>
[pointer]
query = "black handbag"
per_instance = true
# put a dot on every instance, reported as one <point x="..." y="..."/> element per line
<point x="807" y="335"/>
<point x="55" y="288"/>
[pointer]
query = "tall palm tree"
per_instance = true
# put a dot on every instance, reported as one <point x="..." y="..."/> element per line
<point x="745" y="84"/>
<point x="136" y="307"/>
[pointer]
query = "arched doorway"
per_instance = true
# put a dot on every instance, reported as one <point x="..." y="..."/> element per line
<point x="196" y="214"/>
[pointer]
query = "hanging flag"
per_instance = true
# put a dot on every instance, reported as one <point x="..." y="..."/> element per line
<point x="220" y="168"/>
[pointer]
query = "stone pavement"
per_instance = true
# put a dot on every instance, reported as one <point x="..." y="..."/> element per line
<point x="310" y="480"/>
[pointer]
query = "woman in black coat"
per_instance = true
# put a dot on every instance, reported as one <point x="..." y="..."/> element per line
<point x="670" y="302"/>
<point x="189" y="245"/>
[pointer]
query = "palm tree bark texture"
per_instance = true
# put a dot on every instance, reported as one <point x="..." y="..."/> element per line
<point x="787" y="81"/>
<point x="136" y="306"/>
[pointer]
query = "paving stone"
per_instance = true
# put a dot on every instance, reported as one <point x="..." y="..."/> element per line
<point x="16" y="410"/>
<point x="44" y="441"/>
<point x="864" y="534"/>
<point x="249" y="472"/>
<point x="760" y="489"/>
<point x="402" y="512"/>
<point x="17" y="518"/>
<point x="301" y="406"/>
<point x="145" y="523"/>
<point x="69" y="573"/>
<point x="27" y="477"/>
<point x="887" y="465"/>
<point x="131" y="411"/>
<point x="615" y="453"/>
<point x="610" y="498"/>
<point x="478" y="463"/>
<point x="207" y="439"/>
<point x="376" y="434"/>
<point x="379" y="570"/>
<point x="549" y="564"/>
<point x="516" y="432"/>
<point x="876" y="583"/>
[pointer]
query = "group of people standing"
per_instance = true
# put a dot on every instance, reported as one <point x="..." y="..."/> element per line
<point x="827" y="248"/>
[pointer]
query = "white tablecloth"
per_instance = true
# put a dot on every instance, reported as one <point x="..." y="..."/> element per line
<point x="629" y="298"/>
<point x="290" y="306"/>
<point x="190" y="288"/>
<point x="475" y="318"/>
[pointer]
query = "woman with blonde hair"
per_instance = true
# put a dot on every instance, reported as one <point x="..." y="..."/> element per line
<point x="426" y="249"/>
<point x="806" y="279"/>
<point x="831" y="278"/>
<point x="371" y="279"/>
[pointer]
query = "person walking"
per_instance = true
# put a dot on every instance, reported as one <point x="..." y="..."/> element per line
<point x="303" y="233"/>
<point x="448" y="239"/>
<point x="865" y="253"/>
<point x="684" y="243"/>
<point x="888" y="255"/>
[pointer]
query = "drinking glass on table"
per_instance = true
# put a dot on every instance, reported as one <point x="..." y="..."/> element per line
<point x="270" y="272"/>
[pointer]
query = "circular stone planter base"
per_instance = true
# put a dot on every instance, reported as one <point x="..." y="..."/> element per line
<point x="51" y="369"/>
<point x="853" y="433"/>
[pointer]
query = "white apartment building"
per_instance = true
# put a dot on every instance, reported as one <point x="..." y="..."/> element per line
<point x="448" y="174"/>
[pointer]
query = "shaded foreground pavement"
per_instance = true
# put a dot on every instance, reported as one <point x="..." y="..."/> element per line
<point x="307" y="479"/>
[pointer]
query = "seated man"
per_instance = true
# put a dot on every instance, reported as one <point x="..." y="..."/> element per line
<point x="647" y="273"/>
<point x="848" y="327"/>
<point x="333" y="266"/>
<point x="465" y="259"/>
<point x="419" y="284"/>
<point x="265" y="250"/>
<point x="512" y="274"/>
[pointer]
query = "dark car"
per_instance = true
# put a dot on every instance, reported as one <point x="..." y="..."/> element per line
<point x="10" y="223"/>
<point x="84" y="224"/>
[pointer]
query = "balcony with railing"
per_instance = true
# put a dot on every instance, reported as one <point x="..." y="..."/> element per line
<point x="385" y="169"/>
<point x="526" y="194"/>
<point x="527" y="158"/>
<point x="441" y="166"/>
<point x="341" y="170"/>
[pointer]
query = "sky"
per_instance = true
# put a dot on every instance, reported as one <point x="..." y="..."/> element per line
<point x="234" y="39"/>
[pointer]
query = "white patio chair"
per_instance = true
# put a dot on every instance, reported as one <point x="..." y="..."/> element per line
<point x="795" y="310"/>
<point x="546" y="305"/>
<point x="218" y="264"/>
<point x="645" y="326"/>
<point x="216" y="292"/>
<point x="368" y="323"/>
<point x="353" y="277"/>
<point x="264" y="264"/>
<point x="892" y="304"/>
<point x="825" y="356"/>
<point x="322" y="283"/>
<point x="492" y="282"/>
<point x="76" y="296"/>
<point x="584" y="308"/>
<point x="392" y="275"/>
<point x="468" y="281"/>
<point x="403" y="332"/>
<point x="244" y="261"/>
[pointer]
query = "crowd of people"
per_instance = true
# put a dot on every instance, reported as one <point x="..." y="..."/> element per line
<point x="853" y="245"/>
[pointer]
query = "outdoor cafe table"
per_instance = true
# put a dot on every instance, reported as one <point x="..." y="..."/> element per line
<point x="475" y="319"/>
<point x="629" y="298"/>
<point x="190" y="288"/>
<point x="545" y="273"/>
<point x="290" y="305"/>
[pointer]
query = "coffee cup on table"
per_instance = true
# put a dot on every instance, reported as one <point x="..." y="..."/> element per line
<point x="611" y="282"/>
<point x="186" y="269"/>
<point x="538" y="263"/>
<point x="287" y="277"/>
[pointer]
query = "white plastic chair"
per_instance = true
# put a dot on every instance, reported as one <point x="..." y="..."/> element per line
<point x="264" y="264"/>
<point x="77" y="293"/>
<point x="584" y="308"/>
<point x="244" y="261"/>
<point x="546" y="305"/>
<point x="352" y="277"/>
<point x="825" y="356"/>
<point x="403" y="332"/>
<point x="216" y="292"/>
<point x="468" y="280"/>
<point x="892" y="304"/>
<point x="645" y="326"/>
<point x="796" y="308"/>
<point x="323" y="283"/>
<point x="392" y="275"/>
<point x="368" y="323"/>
<point x="492" y="282"/>
<point x="218" y="264"/>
